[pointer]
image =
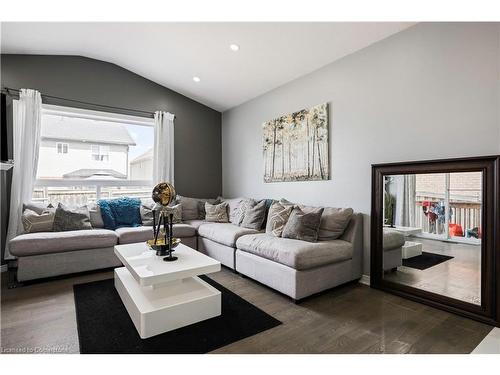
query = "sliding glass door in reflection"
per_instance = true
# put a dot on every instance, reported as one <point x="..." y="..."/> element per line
<point x="435" y="233"/>
<point x="432" y="232"/>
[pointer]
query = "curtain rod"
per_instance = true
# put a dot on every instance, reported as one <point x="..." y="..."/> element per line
<point x="8" y="90"/>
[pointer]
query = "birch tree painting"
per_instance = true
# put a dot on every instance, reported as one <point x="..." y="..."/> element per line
<point x="295" y="146"/>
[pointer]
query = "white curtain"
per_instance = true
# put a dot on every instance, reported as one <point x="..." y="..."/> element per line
<point x="26" y="144"/>
<point x="405" y="200"/>
<point x="163" y="152"/>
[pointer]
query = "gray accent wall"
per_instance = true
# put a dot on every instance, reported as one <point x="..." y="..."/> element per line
<point x="198" y="170"/>
<point x="429" y="92"/>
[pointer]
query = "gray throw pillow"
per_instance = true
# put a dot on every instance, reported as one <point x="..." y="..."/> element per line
<point x="334" y="222"/>
<point x="254" y="216"/>
<point x="242" y="209"/>
<point x="38" y="207"/>
<point x="216" y="212"/>
<point x="303" y="226"/>
<point x="33" y="222"/>
<point x="67" y="218"/>
<point x="146" y="211"/>
<point x="201" y="206"/>
<point x="95" y="215"/>
<point x="189" y="207"/>
<point x="236" y="209"/>
<point x="176" y="211"/>
<point x="277" y="218"/>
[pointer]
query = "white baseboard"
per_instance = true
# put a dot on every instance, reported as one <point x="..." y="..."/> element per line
<point x="365" y="280"/>
<point x="4" y="268"/>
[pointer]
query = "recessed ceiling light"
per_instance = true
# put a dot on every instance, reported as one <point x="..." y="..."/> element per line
<point x="234" y="47"/>
<point x="196" y="79"/>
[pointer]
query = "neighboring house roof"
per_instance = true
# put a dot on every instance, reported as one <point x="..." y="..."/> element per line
<point x="95" y="174"/>
<point x="148" y="155"/>
<point x="83" y="130"/>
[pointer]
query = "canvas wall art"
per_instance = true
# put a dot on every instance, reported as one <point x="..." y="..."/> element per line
<point x="296" y="146"/>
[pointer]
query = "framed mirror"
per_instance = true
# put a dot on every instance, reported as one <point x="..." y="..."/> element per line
<point x="435" y="231"/>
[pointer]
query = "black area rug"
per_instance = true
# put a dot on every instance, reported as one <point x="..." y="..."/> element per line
<point x="104" y="325"/>
<point x="426" y="260"/>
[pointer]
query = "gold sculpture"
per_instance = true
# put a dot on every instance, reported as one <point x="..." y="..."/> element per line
<point x="163" y="194"/>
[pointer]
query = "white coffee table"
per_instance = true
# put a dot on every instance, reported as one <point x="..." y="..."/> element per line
<point x="162" y="296"/>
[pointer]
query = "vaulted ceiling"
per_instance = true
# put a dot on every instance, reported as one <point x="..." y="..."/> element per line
<point x="171" y="54"/>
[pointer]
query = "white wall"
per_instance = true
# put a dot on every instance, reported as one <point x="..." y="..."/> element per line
<point x="142" y="170"/>
<point x="79" y="156"/>
<point x="429" y="92"/>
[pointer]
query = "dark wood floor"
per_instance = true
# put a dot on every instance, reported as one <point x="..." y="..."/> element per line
<point x="458" y="278"/>
<point x="349" y="319"/>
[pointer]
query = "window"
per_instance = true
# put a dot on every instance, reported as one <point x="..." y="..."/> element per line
<point x="62" y="148"/>
<point x="100" y="153"/>
<point x="449" y="205"/>
<point x="111" y="156"/>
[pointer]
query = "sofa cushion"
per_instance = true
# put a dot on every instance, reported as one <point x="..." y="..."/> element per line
<point x="296" y="254"/>
<point x="144" y="233"/>
<point x="392" y="239"/>
<point x="195" y="223"/>
<point x="334" y="221"/>
<point x="224" y="233"/>
<point x="58" y="242"/>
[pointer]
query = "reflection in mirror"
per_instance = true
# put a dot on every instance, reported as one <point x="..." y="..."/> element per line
<point x="432" y="233"/>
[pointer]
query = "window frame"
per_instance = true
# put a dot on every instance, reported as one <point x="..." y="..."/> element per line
<point x="445" y="236"/>
<point x="49" y="109"/>
<point x="62" y="144"/>
<point x="100" y="153"/>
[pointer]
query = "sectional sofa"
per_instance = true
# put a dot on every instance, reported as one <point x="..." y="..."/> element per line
<point x="293" y="267"/>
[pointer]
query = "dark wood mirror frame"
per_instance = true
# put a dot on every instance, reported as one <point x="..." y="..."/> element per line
<point x="489" y="310"/>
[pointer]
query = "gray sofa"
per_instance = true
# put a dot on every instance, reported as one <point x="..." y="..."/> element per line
<point x="47" y="254"/>
<point x="293" y="267"/>
<point x="393" y="242"/>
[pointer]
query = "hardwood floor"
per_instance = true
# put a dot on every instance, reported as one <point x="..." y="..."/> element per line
<point x="349" y="319"/>
<point x="458" y="278"/>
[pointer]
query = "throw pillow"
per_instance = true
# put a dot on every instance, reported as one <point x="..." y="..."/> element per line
<point x="254" y="216"/>
<point x="67" y="218"/>
<point x="189" y="207"/>
<point x="277" y="218"/>
<point x="120" y="212"/>
<point x="146" y="211"/>
<point x="107" y="214"/>
<point x="201" y="206"/>
<point x="176" y="211"/>
<point x="269" y="203"/>
<point x="38" y="207"/>
<point x="235" y="209"/>
<point x="334" y="222"/>
<point x="303" y="226"/>
<point x="216" y="212"/>
<point x="95" y="215"/>
<point x="33" y="222"/>
<point x="242" y="209"/>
